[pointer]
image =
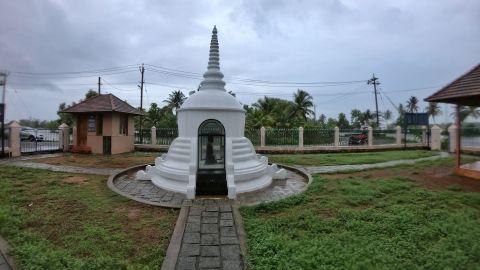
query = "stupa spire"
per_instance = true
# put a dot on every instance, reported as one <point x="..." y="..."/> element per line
<point x="212" y="79"/>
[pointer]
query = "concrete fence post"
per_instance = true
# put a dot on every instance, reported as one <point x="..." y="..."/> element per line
<point x="337" y="138"/>
<point x="300" y="137"/>
<point x="398" y="135"/>
<point x="424" y="135"/>
<point x="63" y="137"/>
<point x="14" y="142"/>
<point x="153" y="135"/>
<point x="436" y="138"/>
<point x="370" y="137"/>
<point x="452" y="134"/>
<point x="262" y="137"/>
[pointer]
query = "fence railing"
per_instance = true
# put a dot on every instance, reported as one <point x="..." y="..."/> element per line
<point x="281" y="137"/>
<point x="253" y="134"/>
<point x="165" y="136"/>
<point x="311" y="137"/>
<point x="470" y="137"/>
<point x="319" y="137"/>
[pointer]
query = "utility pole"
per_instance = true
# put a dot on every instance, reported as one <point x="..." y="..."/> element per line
<point x="142" y="71"/>
<point x="3" y="82"/>
<point x="99" y="85"/>
<point x="374" y="81"/>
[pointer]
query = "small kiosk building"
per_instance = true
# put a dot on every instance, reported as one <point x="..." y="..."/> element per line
<point x="103" y="125"/>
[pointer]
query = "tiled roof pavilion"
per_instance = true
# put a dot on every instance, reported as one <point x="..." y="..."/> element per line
<point x="103" y="103"/>
<point x="463" y="91"/>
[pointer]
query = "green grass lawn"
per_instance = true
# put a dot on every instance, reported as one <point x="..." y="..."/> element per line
<point x="72" y="221"/>
<point x="367" y="223"/>
<point x="348" y="158"/>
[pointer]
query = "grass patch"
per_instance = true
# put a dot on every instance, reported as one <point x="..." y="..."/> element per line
<point x="101" y="161"/>
<point x="72" y="221"/>
<point x="348" y="158"/>
<point x="364" y="223"/>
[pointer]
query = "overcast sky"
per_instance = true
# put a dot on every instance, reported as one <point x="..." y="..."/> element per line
<point x="407" y="44"/>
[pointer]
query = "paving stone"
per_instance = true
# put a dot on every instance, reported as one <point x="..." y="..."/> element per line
<point x="192" y="227"/>
<point x="186" y="263"/>
<point x="209" y="262"/>
<point x="232" y="265"/>
<point x="225" y="208"/>
<point x="209" y="239"/>
<point x="188" y="250"/>
<point x="193" y="219"/>
<point x="209" y="228"/>
<point x="211" y="208"/>
<point x="230" y="252"/>
<point x="191" y="238"/>
<point x="228" y="231"/>
<point x="210" y="214"/>
<point x="228" y="240"/>
<point x="209" y="251"/>
<point x="195" y="211"/>
<point x="227" y="216"/>
<point x="224" y="222"/>
<point x="210" y="220"/>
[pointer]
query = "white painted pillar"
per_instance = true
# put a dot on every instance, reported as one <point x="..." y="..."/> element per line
<point x="398" y="135"/>
<point x="262" y="137"/>
<point x="74" y="135"/>
<point x="370" y="137"/>
<point x="63" y="137"/>
<point x="452" y="133"/>
<point x="300" y="137"/>
<point x="436" y="138"/>
<point x="153" y="135"/>
<point x="337" y="138"/>
<point x="14" y="142"/>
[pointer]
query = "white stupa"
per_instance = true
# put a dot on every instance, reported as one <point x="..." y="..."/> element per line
<point x="211" y="156"/>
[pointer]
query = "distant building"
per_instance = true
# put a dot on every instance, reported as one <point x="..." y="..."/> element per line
<point x="103" y="125"/>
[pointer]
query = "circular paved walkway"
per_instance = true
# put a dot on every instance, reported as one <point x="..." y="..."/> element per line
<point x="146" y="192"/>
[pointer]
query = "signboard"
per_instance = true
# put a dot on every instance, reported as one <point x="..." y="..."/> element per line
<point x="418" y="119"/>
<point x="2" y="112"/>
<point x="92" y="123"/>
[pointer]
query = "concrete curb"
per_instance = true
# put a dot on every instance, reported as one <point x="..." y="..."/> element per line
<point x="171" y="256"/>
<point x="4" y="250"/>
<point x="242" y="236"/>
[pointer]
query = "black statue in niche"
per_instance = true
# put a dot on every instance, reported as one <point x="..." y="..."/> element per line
<point x="210" y="158"/>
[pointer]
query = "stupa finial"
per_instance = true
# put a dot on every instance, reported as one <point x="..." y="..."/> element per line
<point x="213" y="77"/>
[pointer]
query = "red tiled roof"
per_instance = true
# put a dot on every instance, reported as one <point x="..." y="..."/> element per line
<point x="103" y="103"/>
<point x="463" y="91"/>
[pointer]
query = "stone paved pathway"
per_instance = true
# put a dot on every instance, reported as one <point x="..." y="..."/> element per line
<point x="361" y="167"/>
<point x="147" y="192"/>
<point x="210" y="239"/>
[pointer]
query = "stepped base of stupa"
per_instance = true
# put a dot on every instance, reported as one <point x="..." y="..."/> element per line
<point x="245" y="170"/>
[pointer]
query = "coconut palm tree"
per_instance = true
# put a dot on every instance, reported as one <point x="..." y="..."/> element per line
<point x="175" y="100"/>
<point x="433" y="110"/>
<point x="467" y="111"/>
<point x="303" y="102"/>
<point x="412" y="104"/>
